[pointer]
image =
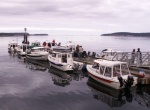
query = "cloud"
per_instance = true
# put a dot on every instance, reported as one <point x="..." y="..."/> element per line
<point x="73" y="13"/>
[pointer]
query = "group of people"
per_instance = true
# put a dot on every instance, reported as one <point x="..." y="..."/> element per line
<point x="136" y="54"/>
<point x="79" y="52"/>
<point x="53" y="43"/>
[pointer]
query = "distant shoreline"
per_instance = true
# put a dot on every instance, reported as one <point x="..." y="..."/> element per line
<point x="127" y="34"/>
<point x="19" y="34"/>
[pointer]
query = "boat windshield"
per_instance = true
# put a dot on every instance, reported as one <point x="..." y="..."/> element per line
<point x="64" y="58"/>
<point x="96" y="66"/>
<point x="124" y="69"/>
<point x="102" y="69"/>
<point x="108" y="71"/>
<point x="116" y="71"/>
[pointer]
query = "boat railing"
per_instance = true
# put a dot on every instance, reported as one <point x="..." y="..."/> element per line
<point x="132" y="59"/>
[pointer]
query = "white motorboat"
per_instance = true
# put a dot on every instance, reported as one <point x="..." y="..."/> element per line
<point x="60" y="48"/>
<point x="37" y="53"/>
<point x="36" y="43"/>
<point x="21" y="50"/>
<point x="70" y="45"/>
<point x="54" y="46"/>
<point x="12" y="46"/>
<point x="108" y="54"/>
<point x="61" y="60"/>
<point x="114" y="74"/>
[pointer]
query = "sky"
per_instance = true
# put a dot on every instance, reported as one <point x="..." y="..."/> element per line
<point x="95" y="16"/>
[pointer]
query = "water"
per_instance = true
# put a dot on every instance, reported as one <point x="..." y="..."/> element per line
<point x="28" y="86"/>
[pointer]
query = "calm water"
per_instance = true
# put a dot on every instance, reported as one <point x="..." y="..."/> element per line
<point x="25" y="85"/>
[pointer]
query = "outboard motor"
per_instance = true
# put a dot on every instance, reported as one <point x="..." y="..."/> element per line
<point x="120" y="80"/>
<point x="128" y="95"/>
<point x="129" y="81"/>
<point x="76" y="66"/>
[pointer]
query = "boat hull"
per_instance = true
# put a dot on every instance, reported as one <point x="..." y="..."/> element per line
<point x="37" y="57"/>
<point x="12" y="50"/>
<point x="104" y="81"/>
<point x="62" y="67"/>
<point x="21" y="53"/>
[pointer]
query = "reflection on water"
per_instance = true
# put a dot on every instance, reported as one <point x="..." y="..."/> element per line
<point x="77" y="76"/>
<point x="34" y="67"/>
<point x="142" y="95"/>
<point x="60" y="77"/>
<point x="114" y="98"/>
<point x="32" y="85"/>
<point x="117" y="98"/>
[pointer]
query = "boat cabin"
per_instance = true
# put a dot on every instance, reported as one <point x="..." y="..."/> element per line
<point x="110" y="53"/>
<point x="62" y="57"/>
<point x="12" y="45"/>
<point x="111" y="68"/>
<point x="36" y="43"/>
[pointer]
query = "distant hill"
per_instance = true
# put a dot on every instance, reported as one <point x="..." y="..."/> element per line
<point x="38" y="34"/>
<point x="12" y="34"/>
<point x="127" y="34"/>
<point x="20" y="34"/>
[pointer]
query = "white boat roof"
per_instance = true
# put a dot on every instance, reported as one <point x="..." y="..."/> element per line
<point x="13" y="42"/>
<point x="108" y="63"/>
<point x="38" y="48"/>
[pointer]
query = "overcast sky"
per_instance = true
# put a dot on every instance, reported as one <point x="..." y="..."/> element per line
<point x="103" y="16"/>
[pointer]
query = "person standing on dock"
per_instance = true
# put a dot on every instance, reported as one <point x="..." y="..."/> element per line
<point x="80" y="51"/>
<point x="139" y="57"/>
<point x="44" y="44"/>
<point x="77" y="48"/>
<point x="53" y="42"/>
<point x="133" y="56"/>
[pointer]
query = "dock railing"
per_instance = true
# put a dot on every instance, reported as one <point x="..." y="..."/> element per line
<point x="133" y="59"/>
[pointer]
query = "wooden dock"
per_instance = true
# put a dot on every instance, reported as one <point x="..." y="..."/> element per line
<point x="134" y="70"/>
<point x="145" y="80"/>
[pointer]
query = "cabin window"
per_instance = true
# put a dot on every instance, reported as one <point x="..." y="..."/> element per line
<point x="102" y="69"/>
<point x="124" y="69"/>
<point x="64" y="58"/>
<point x="68" y="56"/>
<point x="59" y="56"/>
<point x="53" y="55"/>
<point x="96" y="66"/>
<point x="116" y="70"/>
<point x="108" y="72"/>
